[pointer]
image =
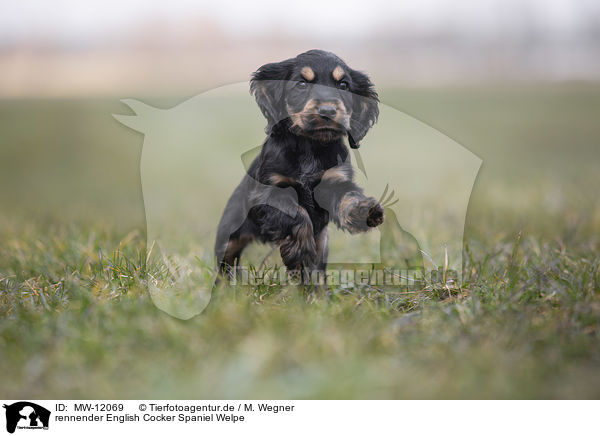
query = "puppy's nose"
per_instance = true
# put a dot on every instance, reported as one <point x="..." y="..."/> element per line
<point x="327" y="110"/>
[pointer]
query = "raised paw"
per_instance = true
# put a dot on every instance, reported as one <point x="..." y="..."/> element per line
<point x="360" y="214"/>
<point x="375" y="215"/>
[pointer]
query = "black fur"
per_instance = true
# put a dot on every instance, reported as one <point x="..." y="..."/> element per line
<point x="302" y="178"/>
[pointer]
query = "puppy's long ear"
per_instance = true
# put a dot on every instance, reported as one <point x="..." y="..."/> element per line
<point x="267" y="86"/>
<point x="365" y="108"/>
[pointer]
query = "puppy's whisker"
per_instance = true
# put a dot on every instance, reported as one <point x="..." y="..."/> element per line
<point x="392" y="203"/>
<point x="384" y="192"/>
<point x="389" y="197"/>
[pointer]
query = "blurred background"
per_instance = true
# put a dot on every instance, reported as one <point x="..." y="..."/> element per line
<point x="69" y="48"/>
<point x="516" y="82"/>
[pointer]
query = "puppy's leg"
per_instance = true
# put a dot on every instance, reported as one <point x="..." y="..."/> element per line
<point x="315" y="276"/>
<point x="322" y="249"/>
<point x="293" y="234"/>
<point x="348" y="207"/>
<point x="233" y="251"/>
<point x="234" y="233"/>
<point x="356" y="212"/>
<point x="298" y="247"/>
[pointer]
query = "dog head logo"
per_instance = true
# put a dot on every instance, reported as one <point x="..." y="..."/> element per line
<point x="26" y="415"/>
<point x="190" y="165"/>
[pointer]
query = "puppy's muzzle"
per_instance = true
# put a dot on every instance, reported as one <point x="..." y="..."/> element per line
<point x="327" y="111"/>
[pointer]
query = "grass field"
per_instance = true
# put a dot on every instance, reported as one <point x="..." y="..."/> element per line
<point x="77" y="322"/>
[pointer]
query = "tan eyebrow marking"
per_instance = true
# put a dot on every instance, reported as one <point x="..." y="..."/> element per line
<point x="337" y="174"/>
<point x="280" y="179"/>
<point x="308" y="73"/>
<point x="338" y="73"/>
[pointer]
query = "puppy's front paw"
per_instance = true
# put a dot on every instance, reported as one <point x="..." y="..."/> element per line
<point x="375" y="215"/>
<point x="362" y="214"/>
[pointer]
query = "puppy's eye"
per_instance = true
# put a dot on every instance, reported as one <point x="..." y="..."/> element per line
<point x="301" y="85"/>
<point x="343" y="85"/>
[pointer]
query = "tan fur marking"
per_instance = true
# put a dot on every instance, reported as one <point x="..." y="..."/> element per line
<point x="336" y="174"/>
<point x="305" y="216"/>
<point x="338" y="73"/>
<point x="304" y="230"/>
<point x="346" y="203"/>
<point x="308" y="73"/>
<point x="321" y="243"/>
<point x="280" y="179"/>
<point x="304" y="233"/>
<point x="297" y="120"/>
<point x="350" y="212"/>
<point x="311" y="108"/>
<point x="233" y="247"/>
<point x="301" y="243"/>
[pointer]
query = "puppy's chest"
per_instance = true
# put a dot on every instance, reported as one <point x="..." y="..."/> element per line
<point x="303" y="171"/>
<point x="309" y="174"/>
<point x="309" y="170"/>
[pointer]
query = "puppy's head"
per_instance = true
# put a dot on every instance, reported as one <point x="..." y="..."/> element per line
<point x="318" y="96"/>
